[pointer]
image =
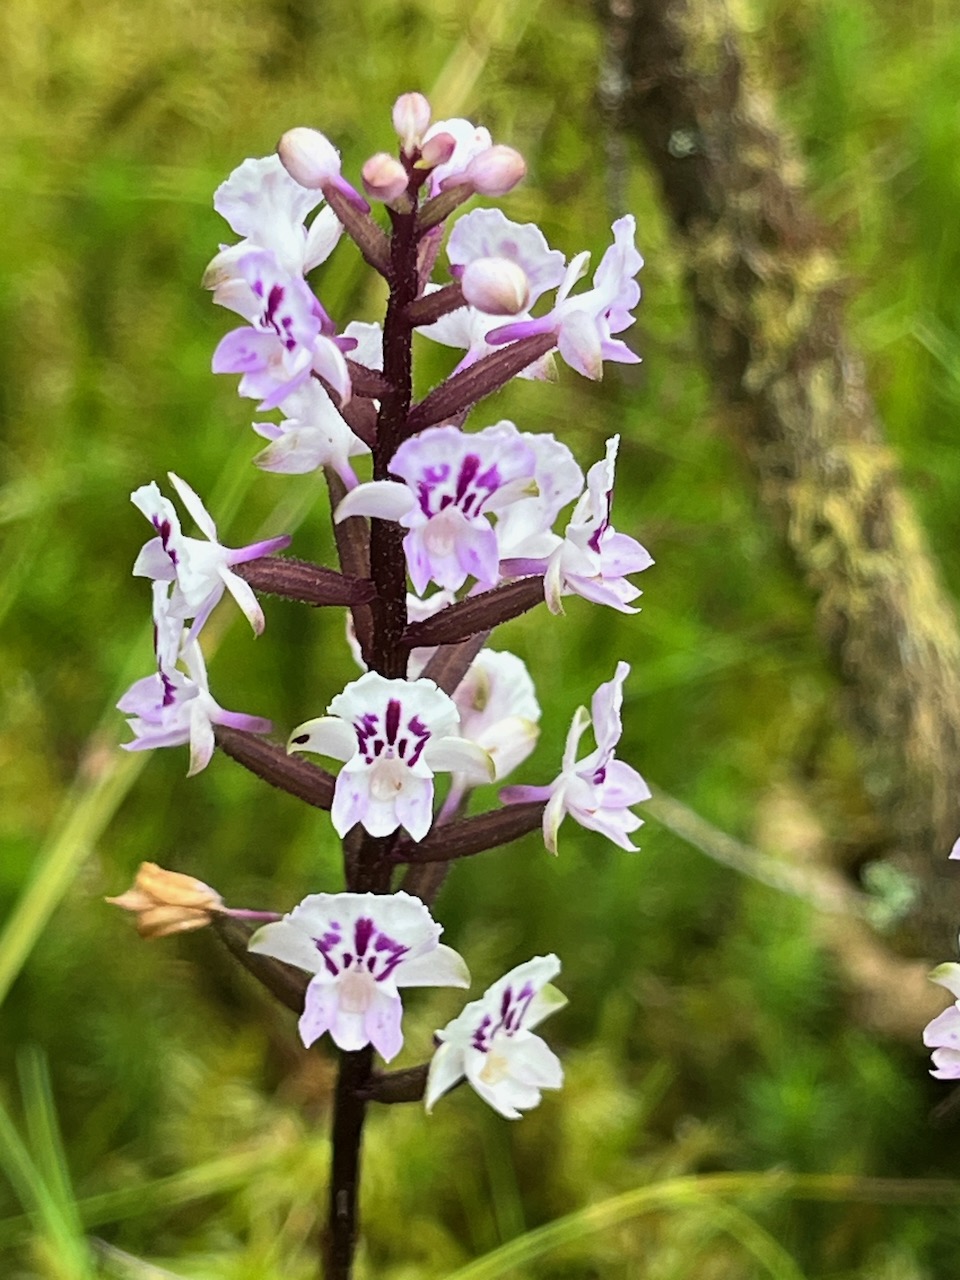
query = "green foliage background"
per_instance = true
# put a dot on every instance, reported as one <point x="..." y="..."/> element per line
<point x="706" y="1031"/>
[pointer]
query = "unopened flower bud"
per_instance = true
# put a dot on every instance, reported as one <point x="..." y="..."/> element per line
<point x="310" y="158"/>
<point x="411" y="119"/>
<point x="166" y="902"/>
<point x="437" y="150"/>
<point x="384" y="177"/>
<point x="496" y="285"/>
<point x="495" y="171"/>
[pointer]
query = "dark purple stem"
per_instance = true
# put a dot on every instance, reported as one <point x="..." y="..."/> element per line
<point x="477" y="613"/>
<point x="301" y="580"/>
<point x="269" y="761"/>
<point x="368" y="860"/>
<point x="467" y="836"/>
<point x="480" y="379"/>
<point x="434" y="305"/>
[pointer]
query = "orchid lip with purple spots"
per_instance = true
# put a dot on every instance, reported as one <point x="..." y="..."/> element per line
<point x="452" y="481"/>
<point x="361" y="948"/>
<point x="392" y="736"/>
<point x="492" y="1044"/>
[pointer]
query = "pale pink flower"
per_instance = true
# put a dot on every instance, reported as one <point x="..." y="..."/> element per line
<point x="392" y="735"/>
<point x="361" y="948"/>
<point x="492" y="1044"/>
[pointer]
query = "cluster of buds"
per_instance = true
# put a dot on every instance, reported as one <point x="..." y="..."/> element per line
<point x="449" y="533"/>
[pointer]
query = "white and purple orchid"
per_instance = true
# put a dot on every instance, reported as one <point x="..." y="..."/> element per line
<point x="361" y="948"/>
<point x="584" y="323"/>
<point x="452" y="482"/>
<point x="201" y="571"/>
<point x="599" y="790"/>
<point x="472" y="160"/>
<point x="392" y="735"/>
<point x="525" y="534"/>
<point x="174" y="708"/>
<point x="593" y="559"/>
<point x="314" y="434"/>
<point x="499" y="709"/>
<point x="486" y="236"/>
<point x="492" y="1044"/>
<point x="289" y="338"/>
<point x="268" y="208"/>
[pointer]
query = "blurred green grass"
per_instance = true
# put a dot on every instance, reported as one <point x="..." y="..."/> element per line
<point x="706" y="1029"/>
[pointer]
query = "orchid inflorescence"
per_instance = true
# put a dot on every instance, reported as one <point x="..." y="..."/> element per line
<point x="471" y="520"/>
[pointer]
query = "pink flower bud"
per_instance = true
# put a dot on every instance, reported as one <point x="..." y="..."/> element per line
<point x="496" y="285"/>
<point x="384" y="177"/>
<point x="437" y="150"/>
<point x="495" y="171"/>
<point x="310" y="158"/>
<point x="411" y="119"/>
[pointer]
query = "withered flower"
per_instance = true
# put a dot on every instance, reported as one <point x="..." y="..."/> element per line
<point x="166" y="902"/>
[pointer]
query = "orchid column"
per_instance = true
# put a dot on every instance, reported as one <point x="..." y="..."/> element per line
<point x="465" y="518"/>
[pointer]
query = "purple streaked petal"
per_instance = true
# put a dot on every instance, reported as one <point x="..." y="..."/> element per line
<point x="244" y="350"/>
<point x="351" y="802"/>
